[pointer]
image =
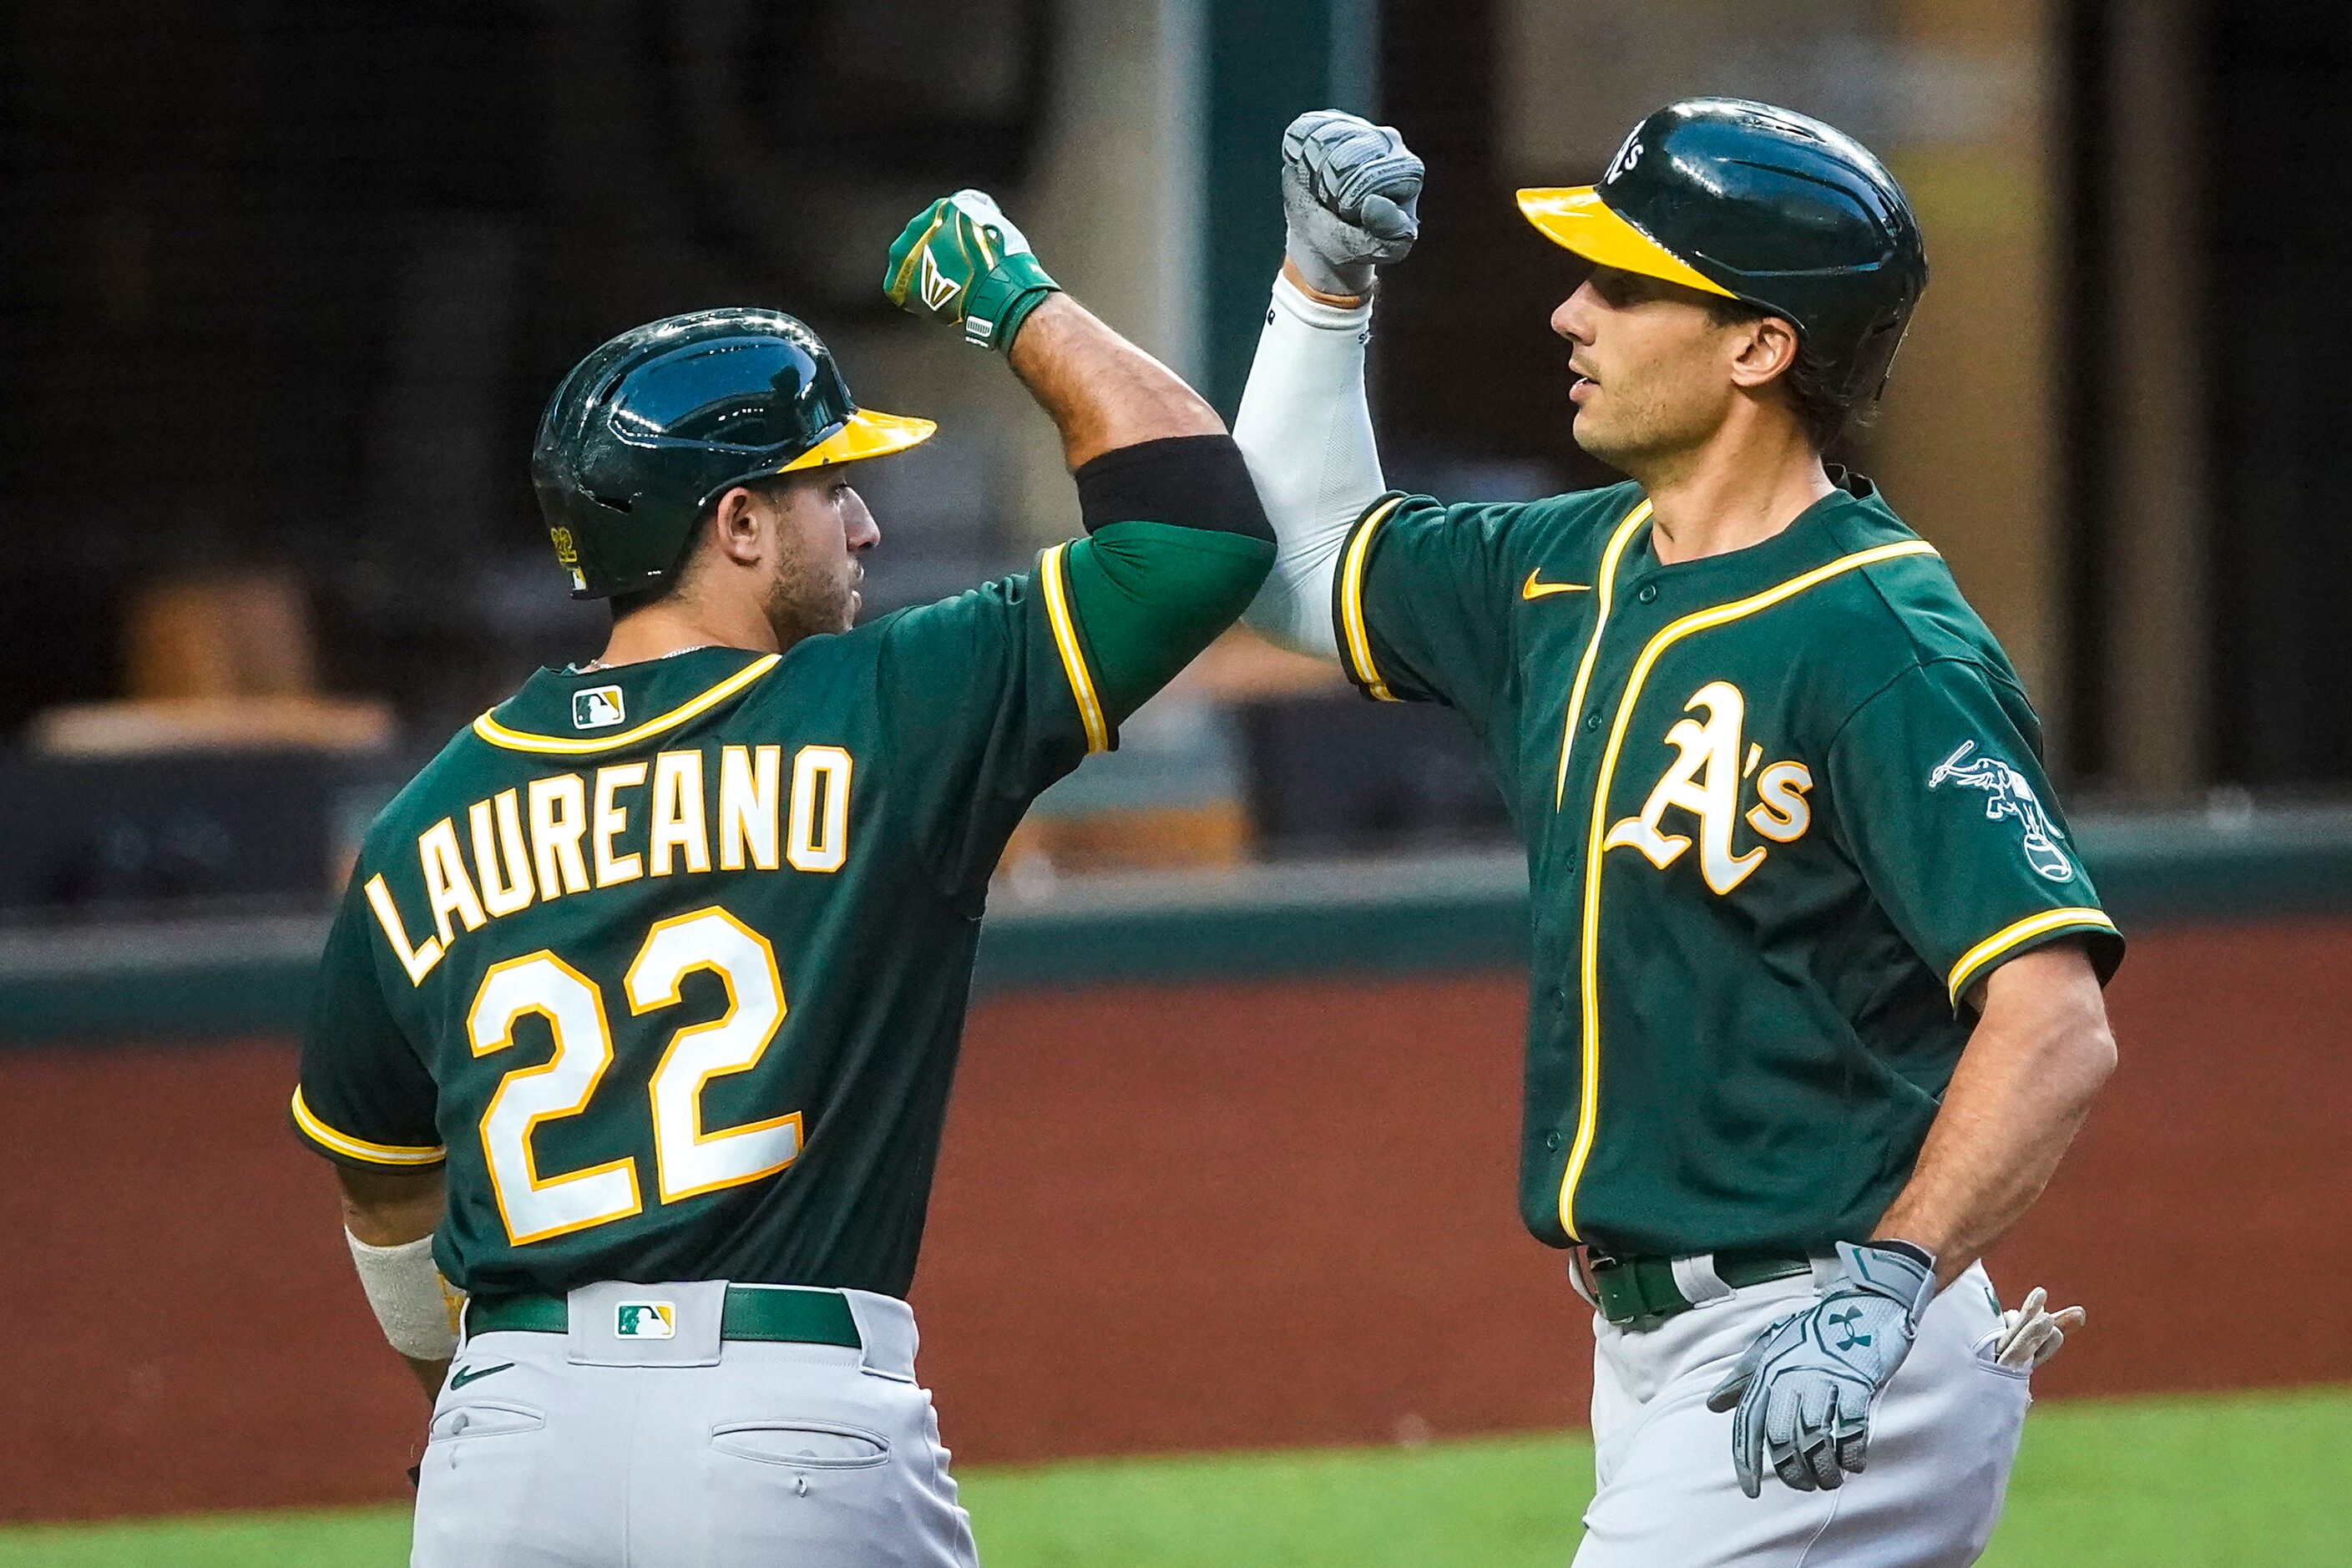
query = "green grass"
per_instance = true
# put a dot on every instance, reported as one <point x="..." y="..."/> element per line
<point x="2154" y="1483"/>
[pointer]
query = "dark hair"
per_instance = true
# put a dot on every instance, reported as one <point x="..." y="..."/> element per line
<point x="652" y="594"/>
<point x="1824" y="415"/>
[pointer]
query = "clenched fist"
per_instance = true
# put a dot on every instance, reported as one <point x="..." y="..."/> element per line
<point x="960" y="260"/>
<point x="1350" y="199"/>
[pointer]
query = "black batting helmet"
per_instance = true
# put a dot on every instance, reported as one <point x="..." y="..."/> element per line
<point x="1764" y="205"/>
<point x="653" y="427"/>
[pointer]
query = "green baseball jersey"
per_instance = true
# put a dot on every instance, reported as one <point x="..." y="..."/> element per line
<point x="669" y="962"/>
<point x="1783" y="808"/>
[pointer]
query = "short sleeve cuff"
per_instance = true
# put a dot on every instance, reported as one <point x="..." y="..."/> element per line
<point x="1348" y="619"/>
<point x="1061" y="616"/>
<point x="352" y="1150"/>
<point x="2035" y="930"/>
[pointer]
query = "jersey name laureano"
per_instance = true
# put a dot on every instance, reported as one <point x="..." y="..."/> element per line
<point x="1707" y="780"/>
<point x="568" y="833"/>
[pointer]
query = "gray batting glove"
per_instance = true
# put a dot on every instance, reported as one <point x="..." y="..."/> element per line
<point x="1350" y="199"/>
<point x="1802" y="1393"/>
<point x="2030" y="1333"/>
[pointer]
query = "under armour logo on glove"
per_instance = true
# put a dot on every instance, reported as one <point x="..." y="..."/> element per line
<point x="1802" y="1392"/>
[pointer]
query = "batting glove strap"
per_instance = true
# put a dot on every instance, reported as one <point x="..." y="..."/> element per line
<point x="1800" y="1396"/>
<point x="1001" y="299"/>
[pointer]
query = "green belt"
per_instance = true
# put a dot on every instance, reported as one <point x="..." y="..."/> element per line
<point x="1630" y="1288"/>
<point x="791" y="1317"/>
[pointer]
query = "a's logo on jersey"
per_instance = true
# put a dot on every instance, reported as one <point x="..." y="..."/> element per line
<point x="2007" y="793"/>
<point x="598" y="707"/>
<point x="644" y="1320"/>
<point x="937" y="287"/>
<point x="1709" y="780"/>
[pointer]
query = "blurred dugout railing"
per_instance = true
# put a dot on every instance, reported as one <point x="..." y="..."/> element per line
<point x="224" y="976"/>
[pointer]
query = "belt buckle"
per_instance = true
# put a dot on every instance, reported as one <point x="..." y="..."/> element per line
<point x="1616" y="1288"/>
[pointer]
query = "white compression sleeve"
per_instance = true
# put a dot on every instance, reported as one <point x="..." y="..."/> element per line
<point x="414" y="1304"/>
<point x="1306" y="430"/>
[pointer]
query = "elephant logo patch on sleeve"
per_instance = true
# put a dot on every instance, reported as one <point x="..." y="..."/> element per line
<point x="2007" y="793"/>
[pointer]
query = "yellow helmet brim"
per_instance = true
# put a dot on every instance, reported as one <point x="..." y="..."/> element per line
<point x="1574" y="217"/>
<point x="868" y="434"/>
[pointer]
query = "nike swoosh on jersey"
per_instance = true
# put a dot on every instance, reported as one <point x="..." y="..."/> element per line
<point x="475" y="1374"/>
<point x="1535" y="590"/>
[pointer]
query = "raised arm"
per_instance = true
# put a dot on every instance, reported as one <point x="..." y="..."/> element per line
<point x="1178" y="541"/>
<point x="1350" y="191"/>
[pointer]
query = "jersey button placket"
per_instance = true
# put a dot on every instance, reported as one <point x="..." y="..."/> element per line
<point x="1648" y="593"/>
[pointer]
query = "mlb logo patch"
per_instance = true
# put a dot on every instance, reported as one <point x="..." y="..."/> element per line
<point x="644" y="1320"/>
<point x="598" y="707"/>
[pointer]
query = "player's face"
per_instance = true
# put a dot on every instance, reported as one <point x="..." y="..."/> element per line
<point x="822" y="529"/>
<point x="1653" y="367"/>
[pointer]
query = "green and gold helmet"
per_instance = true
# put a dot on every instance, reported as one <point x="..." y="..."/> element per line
<point x="1764" y="205"/>
<point x="651" y="428"/>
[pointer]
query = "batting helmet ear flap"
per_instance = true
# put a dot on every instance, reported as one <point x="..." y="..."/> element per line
<point x="648" y="430"/>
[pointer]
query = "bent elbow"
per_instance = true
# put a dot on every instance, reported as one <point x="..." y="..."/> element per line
<point x="2095" y="1054"/>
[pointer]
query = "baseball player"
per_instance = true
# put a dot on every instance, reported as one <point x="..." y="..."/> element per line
<point x="634" y="1032"/>
<point x="1816" y="993"/>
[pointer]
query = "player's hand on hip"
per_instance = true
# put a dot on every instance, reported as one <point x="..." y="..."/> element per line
<point x="960" y="260"/>
<point x="1350" y="199"/>
<point x="1801" y="1396"/>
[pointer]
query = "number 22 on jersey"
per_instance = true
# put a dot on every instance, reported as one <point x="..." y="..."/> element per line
<point x="688" y="1159"/>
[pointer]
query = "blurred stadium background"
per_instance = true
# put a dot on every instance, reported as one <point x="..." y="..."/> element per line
<point x="283" y="287"/>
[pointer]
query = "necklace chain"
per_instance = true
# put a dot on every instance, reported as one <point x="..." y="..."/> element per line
<point x="595" y="665"/>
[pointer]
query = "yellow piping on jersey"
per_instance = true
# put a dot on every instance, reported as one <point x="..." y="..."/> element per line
<point x="343" y="1143"/>
<point x="1589" y="1100"/>
<point x="1355" y="640"/>
<point x="1980" y="958"/>
<point x="1607" y="583"/>
<point x="1073" y="657"/>
<point x="497" y="734"/>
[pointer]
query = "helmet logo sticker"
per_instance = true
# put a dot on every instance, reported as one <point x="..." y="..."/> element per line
<point x="2008" y="794"/>
<point x="598" y="707"/>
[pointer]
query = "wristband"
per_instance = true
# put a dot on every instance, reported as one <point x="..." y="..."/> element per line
<point x="414" y="1304"/>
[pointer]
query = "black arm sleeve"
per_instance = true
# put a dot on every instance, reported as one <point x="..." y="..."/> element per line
<point x="1190" y="481"/>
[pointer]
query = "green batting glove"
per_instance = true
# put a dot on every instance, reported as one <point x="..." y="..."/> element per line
<point x="961" y="260"/>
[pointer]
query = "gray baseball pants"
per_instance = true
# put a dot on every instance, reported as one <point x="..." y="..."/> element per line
<point x="586" y="1450"/>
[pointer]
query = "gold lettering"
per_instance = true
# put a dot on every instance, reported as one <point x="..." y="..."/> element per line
<point x="819" y="836"/>
<point x="1781" y="812"/>
<point x="559" y="820"/>
<point x="417" y="961"/>
<point x="612" y="821"/>
<point x="678" y="818"/>
<point x="1704" y="781"/>
<point x="448" y="890"/>
<point x="747" y="805"/>
<point x="502" y="892"/>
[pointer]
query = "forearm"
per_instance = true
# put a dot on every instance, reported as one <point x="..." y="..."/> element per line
<point x="2040" y="1053"/>
<point x="1304" y="428"/>
<point x="1102" y="391"/>
<point x="393" y="1212"/>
